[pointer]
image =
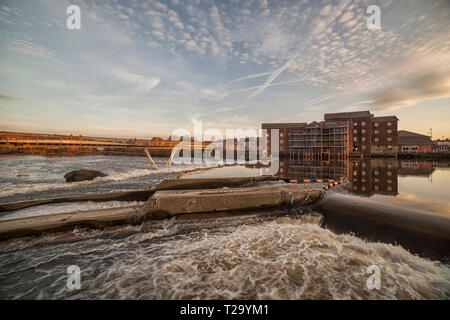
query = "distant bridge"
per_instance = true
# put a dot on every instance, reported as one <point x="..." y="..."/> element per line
<point x="166" y="145"/>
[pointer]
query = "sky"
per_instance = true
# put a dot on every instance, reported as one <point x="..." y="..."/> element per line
<point x="145" y="68"/>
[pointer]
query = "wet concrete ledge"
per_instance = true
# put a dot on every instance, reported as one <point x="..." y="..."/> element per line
<point x="135" y="195"/>
<point x="141" y="195"/>
<point x="30" y="226"/>
<point x="164" y="204"/>
<point x="167" y="203"/>
<point x="207" y="183"/>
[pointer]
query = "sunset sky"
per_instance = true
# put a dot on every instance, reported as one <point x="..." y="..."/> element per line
<point x="145" y="68"/>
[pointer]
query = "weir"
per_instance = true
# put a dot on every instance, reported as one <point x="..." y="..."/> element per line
<point x="169" y="201"/>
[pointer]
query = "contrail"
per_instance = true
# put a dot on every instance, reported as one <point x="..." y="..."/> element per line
<point x="269" y="85"/>
<point x="250" y="77"/>
<point x="272" y="77"/>
<point x="277" y="72"/>
<point x="316" y="100"/>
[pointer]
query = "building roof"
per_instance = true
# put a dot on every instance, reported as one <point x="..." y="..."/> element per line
<point x="283" y="125"/>
<point x="313" y="124"/>
<point x="345" y="115"/>
<point x="336" y="124"/>
<point x="385" y="119"/>
<point x="408" y="138"/>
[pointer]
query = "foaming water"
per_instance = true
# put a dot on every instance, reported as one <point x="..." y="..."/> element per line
<point x="228" y="258"/>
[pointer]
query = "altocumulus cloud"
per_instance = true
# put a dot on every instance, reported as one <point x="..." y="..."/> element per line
<point x="426" y="86"/>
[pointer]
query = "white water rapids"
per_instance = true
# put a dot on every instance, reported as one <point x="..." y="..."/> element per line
<point x="226" y="258"/>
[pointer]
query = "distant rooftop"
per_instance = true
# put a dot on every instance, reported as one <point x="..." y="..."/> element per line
<point x="342" y="115"/>
<point x="387" y="118"/>
<point x="282" y="125"/>
<point x="408" y="138"/>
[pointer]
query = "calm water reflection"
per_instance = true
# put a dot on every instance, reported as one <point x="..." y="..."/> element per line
<point x="417" y="184"/>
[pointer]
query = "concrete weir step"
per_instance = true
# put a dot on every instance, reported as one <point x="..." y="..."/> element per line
<point x="164" y="204"/>
<point x="134" y="195"/>
<point x="170" y="203"/>
<point x="21" y="227"/>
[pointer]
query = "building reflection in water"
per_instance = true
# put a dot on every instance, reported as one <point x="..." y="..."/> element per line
<point x="367" y="176"/>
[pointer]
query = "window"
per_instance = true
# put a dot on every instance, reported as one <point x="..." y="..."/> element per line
<point x="281" y="141"/>
<point x="364" y="147"/>
<point x="281" y="169"/>
<point x="377" y="188"/>
<point x="363" y="173"/>
<point x="389" y="139"/>
<point x="414" y="148"/>
<point x="389" y="173"/>
<point x="377" y="172"/>
<point x="389" y="131"/>
<point x="376" y="124"/>
<point x="281" y="134"/>
<point x="405" y="148"/>
<point x="376" y="139"/>
<point x="364" y="139"/>
<point x="389" y="188"/>
<point x="355" y="139"/>
<point x="355" y="131"/>
<point x="363" y="131"/>
<point x="377" y="132"/>
<point x="363" y="123"/>
<point x="355" y="124"/>
<point x="389" y="124"/>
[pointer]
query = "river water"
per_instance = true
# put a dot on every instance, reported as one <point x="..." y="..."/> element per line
<point x="242" y="257"/>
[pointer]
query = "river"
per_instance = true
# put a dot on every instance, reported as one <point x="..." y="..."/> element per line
<point x="242" y="257"/>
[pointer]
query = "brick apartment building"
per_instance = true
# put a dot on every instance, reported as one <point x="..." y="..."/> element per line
<point x="339" y="134"/>
<point x="284" y="133"/>
<point x="369" y="134"/>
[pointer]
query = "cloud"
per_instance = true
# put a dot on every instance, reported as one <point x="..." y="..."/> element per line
<point x="426" y="86"/>
<point x="6" y="97"/>
<point x="141" y="84"/>
<point x="29" y="48"/>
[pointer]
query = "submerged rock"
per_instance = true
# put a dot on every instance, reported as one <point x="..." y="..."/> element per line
<point x="83" y="175"/>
